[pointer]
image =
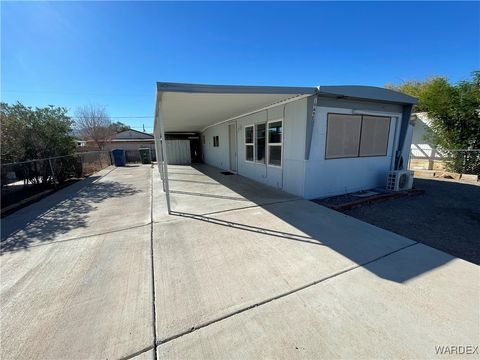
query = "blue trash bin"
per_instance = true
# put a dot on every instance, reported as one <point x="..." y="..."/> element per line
<point x="119" y="157"/>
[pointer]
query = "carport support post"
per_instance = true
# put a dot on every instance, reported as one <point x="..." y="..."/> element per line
<point x="158" y="146"/>
<point x="165" y="161"/>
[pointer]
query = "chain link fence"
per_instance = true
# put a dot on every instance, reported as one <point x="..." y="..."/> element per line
<point x="22" y="180"/>
<point x="458" y="161"/>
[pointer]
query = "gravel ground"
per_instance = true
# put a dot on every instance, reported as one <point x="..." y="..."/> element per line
<point x="446" y="217"/>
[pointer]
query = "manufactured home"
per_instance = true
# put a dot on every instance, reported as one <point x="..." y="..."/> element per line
<point x="308" y="141"/>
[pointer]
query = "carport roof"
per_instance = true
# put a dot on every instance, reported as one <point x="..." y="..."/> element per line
<point x="194" y="107"/>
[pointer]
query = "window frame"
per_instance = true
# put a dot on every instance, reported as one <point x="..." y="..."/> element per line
<point x="255" y="142"/>
<point x="360" y="137"/>
<point x="252" y="144"/>
<point x="280" y="144"/>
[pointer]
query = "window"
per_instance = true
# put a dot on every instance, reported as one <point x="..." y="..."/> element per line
<point x="262" y="140"/>
<point x="215" y="141"/>
<point x="374" y="137"/>
<point x="275" y="143"/>
<point x="249" y="143"/>
<point x="356" y="135"/>
<point x="343" y="135"/>
<point x="260" y="143"/>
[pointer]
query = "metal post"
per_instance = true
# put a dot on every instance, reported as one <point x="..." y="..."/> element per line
<point x="53" y="173"/>
<point x="165" y="174"/>
<point x="165" y="159"/>
<point x="161" y="165"/>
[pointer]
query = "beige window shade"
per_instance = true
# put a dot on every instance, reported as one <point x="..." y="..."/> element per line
<point x="374" y="136"/>
<point x="343" y="135"/>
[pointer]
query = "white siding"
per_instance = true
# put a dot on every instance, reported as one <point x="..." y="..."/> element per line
<point x="295" y="128"/>
<point x="289" y="177"/>
<point x="216" y="156"/>
<point x="339" y="176"/>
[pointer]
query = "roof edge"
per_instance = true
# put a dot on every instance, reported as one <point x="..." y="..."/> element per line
<point x="233" y="89"/>
<point x="373" y="93"/>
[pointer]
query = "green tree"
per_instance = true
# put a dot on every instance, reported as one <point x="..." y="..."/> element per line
<point x="28" y="133"/>
<point x="119" y="126"/>
<point x="455" y="113"/>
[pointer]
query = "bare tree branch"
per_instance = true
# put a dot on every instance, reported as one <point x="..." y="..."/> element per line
<point x="93" y="123"/>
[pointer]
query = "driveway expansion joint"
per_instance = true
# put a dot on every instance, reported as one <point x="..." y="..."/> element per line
<point x="74" y="238"/>
<point x="139" y="352"/>
<point x="277" y="297"/>
<point x="154" y="310"/>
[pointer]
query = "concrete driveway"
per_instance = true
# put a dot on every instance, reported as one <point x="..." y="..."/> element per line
<point x="239" y="271"/>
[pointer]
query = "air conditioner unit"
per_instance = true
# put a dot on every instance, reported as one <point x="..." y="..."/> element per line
<point x="399" y="180"/>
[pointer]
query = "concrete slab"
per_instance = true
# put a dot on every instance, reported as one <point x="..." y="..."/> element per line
<point x="84" y="298"/>
<point x="209" y="267"/>
<point x="355" y="315"/>
<point x="203" y="189"/>
<point x="261" y="273"/>
<point x="97" y="205"/>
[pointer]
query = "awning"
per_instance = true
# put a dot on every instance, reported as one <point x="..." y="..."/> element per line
<point x="193" y="107"/>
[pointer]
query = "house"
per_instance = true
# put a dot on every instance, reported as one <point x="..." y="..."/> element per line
<point x="131" y="140"/>
<point x="80" y="143"/>
<point x="308" y="141"/>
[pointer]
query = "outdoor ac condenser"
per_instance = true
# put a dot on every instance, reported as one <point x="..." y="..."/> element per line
<point x="399" y="180"/>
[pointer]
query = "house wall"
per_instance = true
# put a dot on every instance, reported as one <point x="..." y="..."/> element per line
<point x="305" y="171"/>
<point x="337" y="176"/>
<point x="289" y="177"/>
<point x="216" y="156"/>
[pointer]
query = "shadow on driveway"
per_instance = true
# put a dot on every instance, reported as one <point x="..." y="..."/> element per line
<point x="446" y="217"/>
<point x="359" y="242"/>
<point x="66" y="210"/>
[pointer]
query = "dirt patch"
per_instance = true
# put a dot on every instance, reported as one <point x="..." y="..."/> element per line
<point x="446" y="217"/>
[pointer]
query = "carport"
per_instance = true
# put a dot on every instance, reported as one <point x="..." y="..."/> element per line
<point x="290" y="138"/>
<point x="195" y="108"/>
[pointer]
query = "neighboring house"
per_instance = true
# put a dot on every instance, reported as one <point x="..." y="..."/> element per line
<point x="80" y="143"/>
<point x="423" y="153"/>
<point x="309" y="141"/>
<point x="131" y="140"/>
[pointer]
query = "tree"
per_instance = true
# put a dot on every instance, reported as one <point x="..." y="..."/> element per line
<point x="34" y="133"/>
<point x="455" y="113"/>
<point x="119" y="127"/>
<point x="93" y="123"/>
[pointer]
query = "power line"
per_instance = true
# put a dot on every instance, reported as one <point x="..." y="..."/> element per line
<point x="73" y="93"/>
<point x="115" y="117"/>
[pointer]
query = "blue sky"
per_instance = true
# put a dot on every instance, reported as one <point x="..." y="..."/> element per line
<point x="112" y="53"/>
